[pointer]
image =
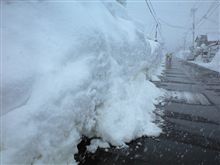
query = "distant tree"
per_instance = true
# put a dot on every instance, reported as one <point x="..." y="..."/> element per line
<point x="122" y="2"/>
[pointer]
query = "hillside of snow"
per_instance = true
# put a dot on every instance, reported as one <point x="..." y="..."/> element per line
<point x="72" y="69"/>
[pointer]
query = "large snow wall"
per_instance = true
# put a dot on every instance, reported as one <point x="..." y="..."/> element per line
<point x="70" y="69"/>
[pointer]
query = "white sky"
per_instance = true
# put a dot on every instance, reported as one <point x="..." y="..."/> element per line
<point x="176" y="12"/>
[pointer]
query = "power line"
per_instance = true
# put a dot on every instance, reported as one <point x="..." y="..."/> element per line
<point x="152" y="7"/>
<point x="154" y="15"/>
<point x="205" y="17"/>
<point x="159" y="27"/>
<point x="214" y="10"/>
<point x="209" y="12"/>
<point x="173" y="26"/>
<point x="155" y="19"/>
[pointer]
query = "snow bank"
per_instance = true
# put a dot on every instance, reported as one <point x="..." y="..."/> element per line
<point x="156" y="68"/>
<point x="213" y="65"/>
<point x="72" y="69"/>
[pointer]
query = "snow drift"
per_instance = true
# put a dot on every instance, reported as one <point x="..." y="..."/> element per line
<point x="213" y="65"/>
<point x="72" y="69"/>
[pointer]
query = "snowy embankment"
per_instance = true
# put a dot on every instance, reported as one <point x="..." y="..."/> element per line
<point x="213" y="65"/>
<point x="72" y="69"/>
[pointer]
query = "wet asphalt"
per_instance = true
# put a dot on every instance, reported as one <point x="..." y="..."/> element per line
<point x="191" y="131"/>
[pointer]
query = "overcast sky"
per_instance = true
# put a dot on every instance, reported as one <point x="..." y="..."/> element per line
<point x="177" y="12"/>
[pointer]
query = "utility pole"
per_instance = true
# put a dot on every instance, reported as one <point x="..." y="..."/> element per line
<point x="156" y="33"/>
<point x="193" y="12"/>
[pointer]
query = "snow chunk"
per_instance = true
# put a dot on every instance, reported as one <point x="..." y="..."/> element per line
<point x="95" y="143"/>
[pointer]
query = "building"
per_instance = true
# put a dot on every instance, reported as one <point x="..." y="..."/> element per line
<point x="213" y="48"/>
<point x="202" y="39"/>
<point x="206" y="47"/>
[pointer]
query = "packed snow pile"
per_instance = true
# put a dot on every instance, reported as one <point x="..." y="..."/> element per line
<point x="213" y="65"/>
<point x="72" y="69"/>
